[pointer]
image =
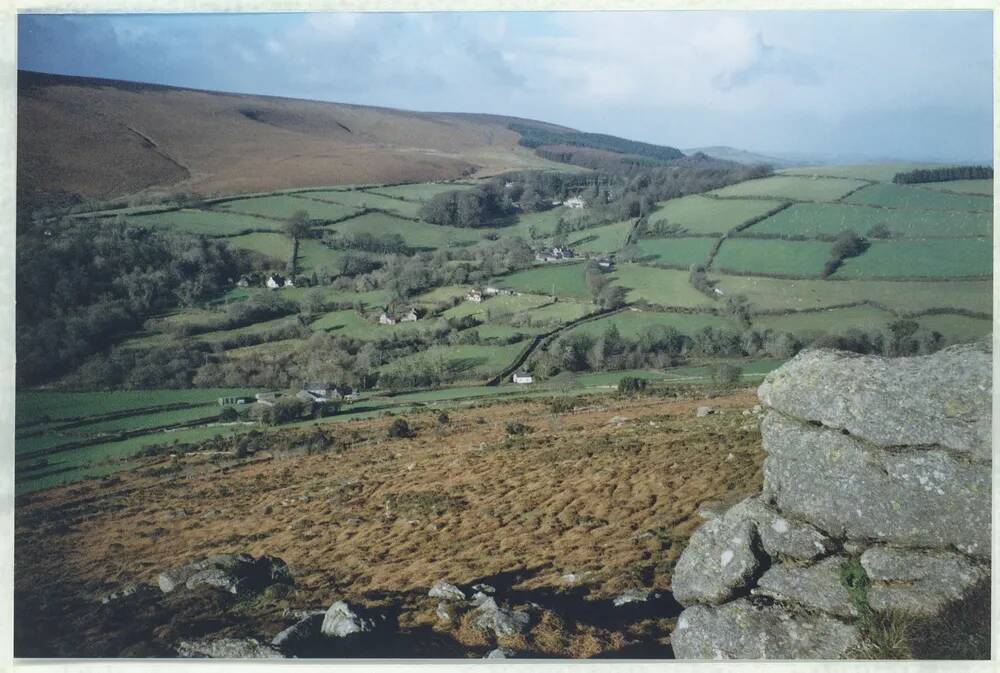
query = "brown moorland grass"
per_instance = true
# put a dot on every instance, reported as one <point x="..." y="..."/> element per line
<point x="378" y="521"/>
<point x="142" y="136"/>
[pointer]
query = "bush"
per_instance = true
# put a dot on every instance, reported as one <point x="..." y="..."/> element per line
<point x="561" y="405"/>
<point x="443" y="419"/>
<point x="516" y="428"/>
<point x="631" y="385"/>
<point x="725" y="374"/>
<point x="399" y="428"/>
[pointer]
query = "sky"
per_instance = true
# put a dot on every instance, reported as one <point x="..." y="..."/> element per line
<point x="851" y="85"/>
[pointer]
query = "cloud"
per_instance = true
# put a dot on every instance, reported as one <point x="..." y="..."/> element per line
<point x="758" y="79"/>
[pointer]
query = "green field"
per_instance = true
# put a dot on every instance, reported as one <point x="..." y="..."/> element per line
<point x="608" y="238"/>
<point x="904" y="296"/>
<point x="702" y="215"/>
<point x="559" y="312"/>
<point x="793" y="187"/>
<point x="931" y="258"/>
<point x="362" y="199"/>
<point x="276" y="246"/>
<point x="565" y="280"/>
<point x="300" y="294"/>
<point x="681" y="252"/>
<point x="350" y="324"/>
<point x="964" y="186"/>
<point x="829" y="219"/>
<point x="494" y="308"/>
<point x="416" y="234"/>
<point x="664" y="287"/>
<point x="830" y="321"/>
<point x="544" y="223"/>
<point x="631" y="323"/>
<point x="464" y="362"/>
<point x="283" y="207"/>
<point x="422" y="192"/>
<point x="917" y="198"/>
<point x="957" y="328"/>
<point x="314" y="256"/>
<point x="204" y="222"/>
<point x="876" y="172"/>
<point x="772" y="257"/>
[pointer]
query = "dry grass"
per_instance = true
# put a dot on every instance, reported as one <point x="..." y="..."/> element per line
<point x="610" y="502"/>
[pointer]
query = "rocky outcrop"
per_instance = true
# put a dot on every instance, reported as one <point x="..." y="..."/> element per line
<point x="875" y="466"/>
<point x="232" y="573"/>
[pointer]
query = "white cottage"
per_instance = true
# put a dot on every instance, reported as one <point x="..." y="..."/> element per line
<point x="522" y="377"/>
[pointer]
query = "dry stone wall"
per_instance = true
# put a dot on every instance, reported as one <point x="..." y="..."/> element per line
<point x="878" y="462"/>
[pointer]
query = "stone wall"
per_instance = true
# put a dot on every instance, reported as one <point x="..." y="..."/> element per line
<point x="875" y="466"/>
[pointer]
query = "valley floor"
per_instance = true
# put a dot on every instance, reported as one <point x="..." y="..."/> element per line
<point x="583" y="506"/>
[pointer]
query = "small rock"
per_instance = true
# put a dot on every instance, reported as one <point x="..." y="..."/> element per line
<point x="757" y="409"/>
<point x="485" y="588"/>
<point x="443" y="612"/>
<point x="501" y="621"/>
<point x="730" y="458"/>
<point x="704" y="411"/>
<point x="341" y="620"/>
<point x="227" y="648"/>
<point x="570" y="578"/>
<point x="618" y="420"/>
<point x="500" y="653"/>
<point x="302" y="631"/>
<point x="442" y="589"/>
<point x="219" y="579"/>
<point x="746" y="412"/>
<point x="631" y="596"/>
<point x="124" y="592"/>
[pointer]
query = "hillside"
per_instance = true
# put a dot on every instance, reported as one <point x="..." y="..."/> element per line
<point x="105" y="138"/>
<point x="726" y="153"/>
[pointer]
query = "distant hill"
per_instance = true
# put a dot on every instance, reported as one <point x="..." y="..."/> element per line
<point x="105" y="138"/>
<point x="742" y="156"/>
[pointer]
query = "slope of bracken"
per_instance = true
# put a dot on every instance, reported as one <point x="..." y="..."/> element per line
<point x="107" y="138"/>
<point x="584" y="505"/>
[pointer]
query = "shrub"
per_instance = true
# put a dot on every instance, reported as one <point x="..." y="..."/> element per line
<point x="631" y="385"/>
<point x="443" y="419"/>
<point x="516" y="428"/>
<point x="400" y="428"/>
<point x="725" y="374"/>
<point x="561" y="405"/>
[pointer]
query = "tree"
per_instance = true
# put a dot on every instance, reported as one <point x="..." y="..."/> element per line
<point x="631" y="385"/>
<point x="725" y="373"/>
<point x="297" y="226"/>
<point x="612" y="297"/>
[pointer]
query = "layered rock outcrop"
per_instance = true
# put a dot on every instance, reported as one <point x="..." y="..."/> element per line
<point x="876" y="466"/>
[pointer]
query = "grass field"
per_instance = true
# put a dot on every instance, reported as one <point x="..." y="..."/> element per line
<point x="680" y="252"/>
<point x="498" y="307"/>
<point x="256" y="328"/>
<point x="203" y="222"/>
<point x="276" y="246"/>
<point x="562" y="311"/>
<point x="984" y="187"/>
<point x="702" y="215"/>
<point x="830" y="321"/>
<point x="565" y="280"/>
<point x="917" y="198"/>
<point x="544" y="223"/>
<point x="299" y="294"/>
<point x="829" y="219"/>
<point x="786" y="258"/>
<point x="350" y="324"/>
<point x="363" y="199"/>
<point x="631" y="323"/>
<point x="422" y="192"/>
<point x="664" y="287"/>
<point x="933" y="258"/>
<point x="905" y="296"/>
<point x="464" y="362"/>
<point x="957" y="328"/>
<point x="282" y="207"/>
<point x="314" y="256"/>
<point x="793" y="187"/>
<point x="608" y="238"/>
<point x="876" y="172"/>
<point x="416" y="234"/>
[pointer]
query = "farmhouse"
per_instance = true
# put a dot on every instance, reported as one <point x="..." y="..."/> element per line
<point x="556" y="254"/>
<point x="491" y="291"/>
<point x="232" y="401"/>
<point x="574" y="202"/>
<point x="606" y="263"/>
<point x="386" y="319"/>
<point x="410" y="316"/>
<point x="522" y="377"/>
<point x="475" y="296"/>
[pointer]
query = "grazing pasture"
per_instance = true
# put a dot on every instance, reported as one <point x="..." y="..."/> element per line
<point x="498" y="307"/>
<point x="793" y="188"/>
<point x="276" y="246"/>
<point x="772" y="257"/>
<point x="931" y="258"/>
<point x="874" y="172"/>
<point x="463" y="362"/>
<point x="420" y="192"/>
<point x="608" y="238"/>
<point x="631" y="323"/>
<point x="903" y="296"/>
<point x="543" y="224"/>
<point x="829" y="219"/>
<point x="416" y="234"/>
<point x="957" y="328"/>
<point x="364" y="199"/>
<point x="204" y="222"/>
<point x="698" y="214"/>
<point x="681" y="252"/>
<point x="829" y="321"/>
<point x="984" y="187"/>
<point x="351" y="324"/>
<point x="664" y="287"/>
<point x="565" y="280"/>
<point x="917" y="197"/>
<point x="281" y="207"/>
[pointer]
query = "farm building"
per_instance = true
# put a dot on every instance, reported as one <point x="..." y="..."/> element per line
<point x="555" y="254"/>
<point x="410" y="316"/>
<point x="266" y="398"/>
<point x="475" y="296"/>
<point x="232" y="401"/>
<point x="276" y="280"/>
<point x="606" y="263"/>
<point x="386" y="319"/>
<point x="522" y="377"/>
<point x="574" y="202"/>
